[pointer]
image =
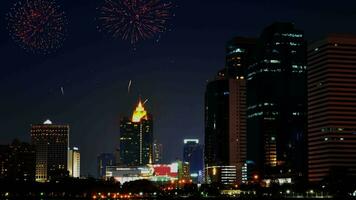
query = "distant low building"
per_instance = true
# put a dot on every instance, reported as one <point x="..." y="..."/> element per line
<point x="17" y="161"/>
<point x="105" y="160"/>
<point x="160" y="173"/>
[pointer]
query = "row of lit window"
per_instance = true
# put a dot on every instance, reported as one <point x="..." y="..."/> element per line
<point x="290" y="43"/>
<point x="328" y="139"/>
<point x="260" y="105"/>
<point x="331" y="130"/>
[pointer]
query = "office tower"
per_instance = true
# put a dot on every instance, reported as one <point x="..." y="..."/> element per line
<point x="157" y="152"/>
<point x="105" y="160"/>
<point x="193" y="153"/>
<point x="74" y="162"/>
<point x="51" y="144"/>
<point x="17" y="161"/>
<point x="239" y="53"/>
<point x="276" y="100"/>
<point x="332" y="107"/>
<point x="136" y="138"/>
<point x="225" y="112"/>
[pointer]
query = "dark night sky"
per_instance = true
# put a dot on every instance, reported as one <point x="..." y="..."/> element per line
<point x="95" y="70"/>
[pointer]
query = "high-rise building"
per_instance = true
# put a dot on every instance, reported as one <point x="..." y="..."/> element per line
<point x="51" y="144"/>
<point x="105" y="160"/>
<point x="193" y="153"/>
<point x="74" y="162"/>
<point x="157" y="152"/>
<point x="276" y="100"/>
<point x="136" y="138"/>
<point x="225" y="112"/>
<point x="17" y="161"/>
<point x="332" y="107"/>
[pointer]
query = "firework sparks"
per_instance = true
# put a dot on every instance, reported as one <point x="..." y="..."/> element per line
<point x="37" y="25"/>
<point x="134" y="20"/>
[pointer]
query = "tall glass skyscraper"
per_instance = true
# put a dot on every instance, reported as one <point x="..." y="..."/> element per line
<point x="225" y="115"/>
<point x="276" y="103"/>
<point x="136" y="138"/>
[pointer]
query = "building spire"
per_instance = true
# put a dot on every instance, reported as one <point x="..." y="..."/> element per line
<point x="139" y="113"/>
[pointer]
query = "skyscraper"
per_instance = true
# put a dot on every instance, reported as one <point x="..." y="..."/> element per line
<point x="276" y="100"/>
<point x="51" y="144"/>
<point x="136" y="138"/>
<point x="157" y="152"/>
<point x="193" y="153"/>
<point x="332" y="107"/>
<point x="74" y="162"/>
<point x="225" y="113"/>
<point x="105" y="160"/>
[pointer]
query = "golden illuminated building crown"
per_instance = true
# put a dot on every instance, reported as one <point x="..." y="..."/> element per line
<point x="139" y="113"/>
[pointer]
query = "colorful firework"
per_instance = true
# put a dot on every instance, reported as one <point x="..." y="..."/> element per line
<point x="37" y="25"/>
<point x="134" y="20"/>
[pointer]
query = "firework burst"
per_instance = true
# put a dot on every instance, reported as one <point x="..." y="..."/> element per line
<point x="134" y="20"/>
<point x="37" y="25"/>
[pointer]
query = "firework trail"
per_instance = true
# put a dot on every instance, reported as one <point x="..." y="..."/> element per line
<point x="129" y="86"/>
<point x="62" y="90"/>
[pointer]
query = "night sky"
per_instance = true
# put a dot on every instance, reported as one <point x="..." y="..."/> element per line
<point x="94" y="70"/>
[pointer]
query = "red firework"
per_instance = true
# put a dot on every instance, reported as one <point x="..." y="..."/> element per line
<point x="37" y="25"/>
<point x="134" y="20"/>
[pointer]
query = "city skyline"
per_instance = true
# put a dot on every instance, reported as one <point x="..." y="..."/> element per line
<point x="90" y="94"/>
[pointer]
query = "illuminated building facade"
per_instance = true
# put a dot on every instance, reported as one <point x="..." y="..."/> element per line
<point x="225" y="111"/>
<point x="221" y="174"/>
<point x="104" y="160"/>
<point x="136" y="138"/>
<point x="74" y="162"/>
<point x="51" y="144"/>
<point x="193" y="153"/>
<point x="276" y="100"/>
<point x="332" y="107"/>
<point x="17" y="161"/>
<point x="183" y="170"/>
<point x="160" y="173"/>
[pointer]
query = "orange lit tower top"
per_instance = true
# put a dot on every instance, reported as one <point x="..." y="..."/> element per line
<point x="139" y="113"/>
